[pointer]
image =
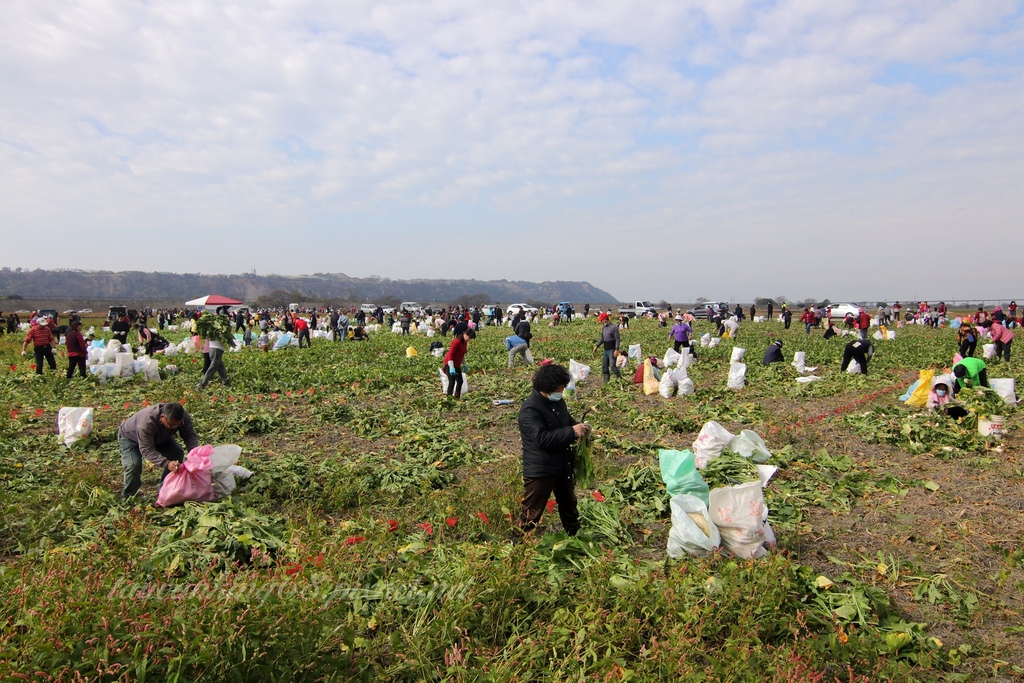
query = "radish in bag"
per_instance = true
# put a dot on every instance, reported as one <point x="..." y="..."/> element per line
<point x="193" y="480"/>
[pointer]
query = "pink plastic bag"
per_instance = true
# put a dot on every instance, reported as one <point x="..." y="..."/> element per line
<point x="957" y="358"/>
<point x="193" y="480"/>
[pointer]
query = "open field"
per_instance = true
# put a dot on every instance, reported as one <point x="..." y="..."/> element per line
<point x="373" y="542"/>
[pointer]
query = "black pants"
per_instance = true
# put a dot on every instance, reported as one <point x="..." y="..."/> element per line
<point x="861" y="356"/>
<point x="304" y="334"/>
<point x="1003" y="350"/>
<point x="455" y="383"/>
<point x="206" y="363"/>
<point x="535" y="498"/>
<point x="967" y="348"/>
<point x="44" y="352"/>
<point x="76" y="362"/>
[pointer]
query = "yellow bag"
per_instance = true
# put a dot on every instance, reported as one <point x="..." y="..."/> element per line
<point x="651" y="383"/>
<point x="411" y="351"/>
<point x="725" y="334"/>
<point x="919" y="399"/>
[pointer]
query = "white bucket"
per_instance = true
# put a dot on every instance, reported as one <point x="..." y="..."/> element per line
<point x="993" y="426"/>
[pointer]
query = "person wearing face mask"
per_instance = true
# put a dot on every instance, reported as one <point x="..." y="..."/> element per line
<point x="939" y="396"/>
<point x="548" y="432"/>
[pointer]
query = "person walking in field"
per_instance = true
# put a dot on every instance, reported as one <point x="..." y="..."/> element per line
<point x="807" y="319"/>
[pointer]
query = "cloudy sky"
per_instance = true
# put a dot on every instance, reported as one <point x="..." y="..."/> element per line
<point x="676" y="149"/>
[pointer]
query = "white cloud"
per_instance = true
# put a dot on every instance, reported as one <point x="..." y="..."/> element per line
<point x="760" y="127"/>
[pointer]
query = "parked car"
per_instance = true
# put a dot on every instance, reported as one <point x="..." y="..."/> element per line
<point x="515" y="308"/>
<point x="703" y="311"/>
<point x="841" y="310"/>
<point x="639" y="308"/>
<point x="412" y="307"/>
<point x="48" y="313"/>
<point x="368" y="309"/>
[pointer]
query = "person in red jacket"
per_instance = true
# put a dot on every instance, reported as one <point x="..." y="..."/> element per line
<point x="302" y="330"/>
<point x="863" y="323"/>
<point x="808" y="319"/>
<point x="455" y="361"/>
<point x="42" y="343"/>
<point x="74" y="342"/>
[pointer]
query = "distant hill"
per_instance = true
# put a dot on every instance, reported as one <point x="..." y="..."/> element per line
<point x="138" y="286"/>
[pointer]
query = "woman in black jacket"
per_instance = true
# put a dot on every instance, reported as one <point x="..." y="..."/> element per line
<point x="548" y="432"/>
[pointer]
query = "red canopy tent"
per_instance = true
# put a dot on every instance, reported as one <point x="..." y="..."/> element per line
<point x="213" y="301"/>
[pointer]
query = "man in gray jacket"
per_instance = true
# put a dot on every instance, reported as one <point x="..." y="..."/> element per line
<point x="610" y="341"/>
<point x="149" y="434"/>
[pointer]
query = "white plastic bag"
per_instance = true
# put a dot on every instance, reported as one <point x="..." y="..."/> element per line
<point x="634" y="351"/>
<point x="749" y="444"/>
<point x="671" y="358"/>
<point x="171" y="351"/>
<point x="224" y="456"/>
<point x="737" y="376"/>
<point x="890" y="334"/>
<point x="150" y="369"/>
<point x="95" y="356"/>
<point x="710" y="442"/>
<point x="705" y="339"/>
<point x="715" y="341"/>
<point x="74" y="424"/>
<point x="437" y="352"/>
<point x="430" y="332"/>
<point x="989" y="350"/>
<point x="686" y="536"/>
<point x="111" y="352"/>
<point x="878" y="335"/>
<point x="667" y="386"/>
<point x="1004" y="386"/>
<point x="579" y="371"/>
<point x="444" y="381"/>
<point x="800" y="360"/>
<point x="853" y="368"/>
<point x="124" y="365"/>
<point x="686" y="387"/>
<point x="737" y="354"/>
<point x="741" y="516"/>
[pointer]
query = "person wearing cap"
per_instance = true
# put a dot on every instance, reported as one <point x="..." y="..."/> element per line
<point x="610" y="341"/>
<point x="773" y="354"/>
<point x="150" y="434"/>
<point x="42" y="344"/>
<point x="680" y="335"/>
